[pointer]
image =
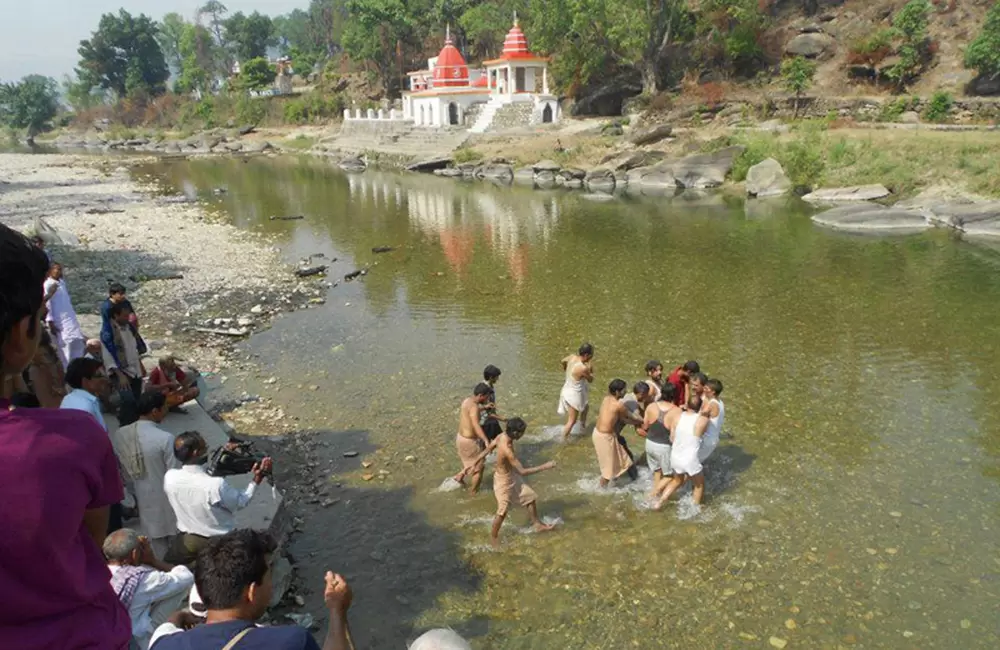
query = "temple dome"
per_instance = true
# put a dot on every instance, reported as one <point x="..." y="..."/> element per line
<point x="450" y="69"/>
<point x="515" y="45"/>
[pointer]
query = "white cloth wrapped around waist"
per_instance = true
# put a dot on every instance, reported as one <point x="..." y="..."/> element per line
<point x="574" y="394"/>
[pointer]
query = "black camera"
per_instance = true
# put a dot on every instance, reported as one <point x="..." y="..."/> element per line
<point x="237" y="457"/>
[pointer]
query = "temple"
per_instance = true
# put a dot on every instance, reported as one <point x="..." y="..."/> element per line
<point x="509" y="91"/>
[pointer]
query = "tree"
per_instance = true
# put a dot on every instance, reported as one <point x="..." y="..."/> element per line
<point x="797" y="75"/>
<point x="256" y="73"/>
<point x="199" y="57"/>
<point x="376" y="29"/>
<point x="983" y="53"/>
<point x="910" y="25"/>
<point x="169" y="38"/>
<point x="588" y="36"/>
<point x="80" y="94"/>
<point x="124" y="56"/>
<point x="215" y="10"/>
<point x="30" y="104"/>
<point x="249" y="36"/>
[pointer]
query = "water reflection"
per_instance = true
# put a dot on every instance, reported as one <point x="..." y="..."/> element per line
<point x="862" y="378"/>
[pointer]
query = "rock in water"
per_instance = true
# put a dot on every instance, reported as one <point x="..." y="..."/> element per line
<point x="841" y="194"/>
<point x="545" y="180"/>
<point x="872" y="219"/>
<point x="546" y="166"/>
<point x="767" y="178"/>
<point x="705" y="170"/>
<point x="524" y="176"/>
<point x="651" y="134"/>
<point x="601" y="180"/>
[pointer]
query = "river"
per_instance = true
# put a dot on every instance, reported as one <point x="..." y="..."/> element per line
<point x="854" y="500"/>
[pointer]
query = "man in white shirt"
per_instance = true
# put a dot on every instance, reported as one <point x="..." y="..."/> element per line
<point x="205" y="505"/>
<point x="151" y="590"/>
<point x="146" y="453"/>
<point x="61" y="319"/>
<point x="89" y="381"/>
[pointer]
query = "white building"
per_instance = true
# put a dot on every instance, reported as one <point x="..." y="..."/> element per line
<point x="445" y="93"/>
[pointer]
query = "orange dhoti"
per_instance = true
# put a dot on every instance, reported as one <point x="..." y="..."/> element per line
<point x="468" y="450"/>
<point x="611" y="456"/>
<point x="508" y="488"/>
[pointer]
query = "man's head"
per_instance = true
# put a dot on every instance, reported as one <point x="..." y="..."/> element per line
<point x="698" y="380"/>
<point x="617" y="388"/>
<point x="119" y="313"/>
<point x="641" y="390"/>
<point x="152" y="405"/>
<point x="94" y="347"/>
<point x="168" y="363"/>
<point x="23" y="268"/>
<point x="586" y="351"/>
<point x="190" y="448"/>
<point x="491" y="374"/>
<point x="56" y="271"/>
<point x="123" y="547"/>
<point x="116" y="292"/>
<point x="689" y="369"/>
<point x="38" y="241"/>
<point x="233" y="573"/>
<point x="713" y="388"/>
<point x="654" y="370"/>
<point x="482" y="392"/>
<point x="668" y="393"/>
<point x="516" y="428"/>
<point x="87" y="374"/>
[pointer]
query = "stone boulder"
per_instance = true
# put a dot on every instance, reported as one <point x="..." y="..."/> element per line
<point x="658" y="181"/>
<point x="546" y="166"/>
<point x="448" y="172"/>
<point x="353" y="164"/>
<point x="848" y="194"/>
<point x="429" y="164"/>
<point x="468" y="169"/>
<point x="573" y="172"/>
<point x="501" y="173"/>
<point x="233" y="147"/>
<point x="524" y="176"/>
<point x="633" y="159"/>
<point x="601" y="180"/>
<point x="868" y="218"/>
<point x="910" y="117"/>
<point x="257" y="146"/>
<point x="963" y="216"/>
<point x="811" y="45"/>
<point x="545" y="179"/>
<point x="706" y="170"/>
<point x="767" y="178"/>
<point x="985" y="85"/>
<point x="650" y="134"/>
<point x="172" y="147"/>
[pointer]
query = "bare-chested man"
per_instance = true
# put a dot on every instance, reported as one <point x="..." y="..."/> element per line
<point x="654" y="377"/>
<point x="574" y="399"/>
<point x="611" y="455"/>
<point x="471" y="439"/>
<point x="507" y="483"/>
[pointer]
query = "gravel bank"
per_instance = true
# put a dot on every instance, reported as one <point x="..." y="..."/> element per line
<point x="128" y="234"/>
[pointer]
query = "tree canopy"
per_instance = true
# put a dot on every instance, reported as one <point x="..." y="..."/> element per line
<point x="248" y="36"/>
<point x="983" y="53"/>
<point x="124" y="56"/>
<point x="29" y="104"/>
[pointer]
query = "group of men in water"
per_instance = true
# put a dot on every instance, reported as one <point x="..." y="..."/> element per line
<point x="679" y="417"/>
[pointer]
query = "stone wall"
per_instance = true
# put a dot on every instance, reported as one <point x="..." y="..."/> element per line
<point x="513" y="115"/>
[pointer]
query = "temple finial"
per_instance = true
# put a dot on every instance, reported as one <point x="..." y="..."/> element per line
<point x="515" y="18"/>
<point x="447" y="33"/>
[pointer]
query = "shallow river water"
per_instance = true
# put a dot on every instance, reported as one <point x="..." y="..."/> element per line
<point x="853" y="502"/>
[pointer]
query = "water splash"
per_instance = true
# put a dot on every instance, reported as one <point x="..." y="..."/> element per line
<point x="482" y="520"/>
<point x="553" y="433"/>
<point x="447" y="485"/>
<point x="547" y="520"/>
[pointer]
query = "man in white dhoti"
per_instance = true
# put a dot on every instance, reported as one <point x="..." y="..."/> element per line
<point x="150" y="589"/>
<point x="146" y="452"/>
<point x="61" y="319"/>
<point x="574" y="398"/>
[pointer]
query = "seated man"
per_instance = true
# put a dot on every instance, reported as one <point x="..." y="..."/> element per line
<point x="174" y="383"/>
<point x="150" y="589"/>
<point x="234" y="581"/>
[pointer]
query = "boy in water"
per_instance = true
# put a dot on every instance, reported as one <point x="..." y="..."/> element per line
<point x="488" y="418"/>
<point x="508" y="485"/>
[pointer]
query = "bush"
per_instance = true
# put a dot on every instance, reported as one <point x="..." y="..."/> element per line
<point x="256" y="74"/>
<point x="250" y="110"/>
<point x="911" y="25"/>
<point x="871" y="49"/>
<point x="465" y="154"/>
<point x="939" y="107"/>
<point x="892" y="111"/>
<point x="983" y="53"/>
<point x="313" y="107"/>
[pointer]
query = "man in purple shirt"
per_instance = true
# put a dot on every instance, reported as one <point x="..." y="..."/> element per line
<point x="60" y="476"/>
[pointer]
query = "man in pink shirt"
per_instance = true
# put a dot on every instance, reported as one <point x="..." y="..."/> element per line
<point x="60" y="476"/>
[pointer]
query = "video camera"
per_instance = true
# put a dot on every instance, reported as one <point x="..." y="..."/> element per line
<point x="237" y="457"/>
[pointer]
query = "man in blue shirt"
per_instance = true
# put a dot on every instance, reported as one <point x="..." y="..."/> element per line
<point x="89" y="382"/>
<point x="233" y="578"/>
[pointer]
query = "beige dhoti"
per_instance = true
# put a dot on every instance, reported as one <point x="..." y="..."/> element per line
<point x="611" y="456"/>
<point x="507" y="488"/>
<point x="468" y="450"/>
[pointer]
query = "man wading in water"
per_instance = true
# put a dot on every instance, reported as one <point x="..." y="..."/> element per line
<point x="507" y="483"/>
<point x="574" y="399"/>
<point x="471" y="438"/>
<point x="611" y="455"/>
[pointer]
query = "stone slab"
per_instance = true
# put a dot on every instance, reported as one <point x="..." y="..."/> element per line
<point x="847" y="194"/>
<point x="870" y="219"/>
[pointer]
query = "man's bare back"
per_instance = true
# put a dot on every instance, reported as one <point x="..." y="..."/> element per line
<point x="468" y="420"/>
<point x="612" y="412"/>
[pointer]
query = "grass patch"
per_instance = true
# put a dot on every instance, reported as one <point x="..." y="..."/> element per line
<point x="300" y="142"/>
<point x="466" y="154"/>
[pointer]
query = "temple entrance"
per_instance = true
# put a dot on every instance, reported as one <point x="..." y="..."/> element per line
<point x="547" y="113"/>
<point x="453" y="114"/>
<point x="519" y="83"/>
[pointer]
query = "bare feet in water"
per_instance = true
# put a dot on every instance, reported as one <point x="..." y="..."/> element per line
<point x="543" y="528"/>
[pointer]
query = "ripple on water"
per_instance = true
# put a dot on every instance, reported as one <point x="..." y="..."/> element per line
<point x="553" y="433"/>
